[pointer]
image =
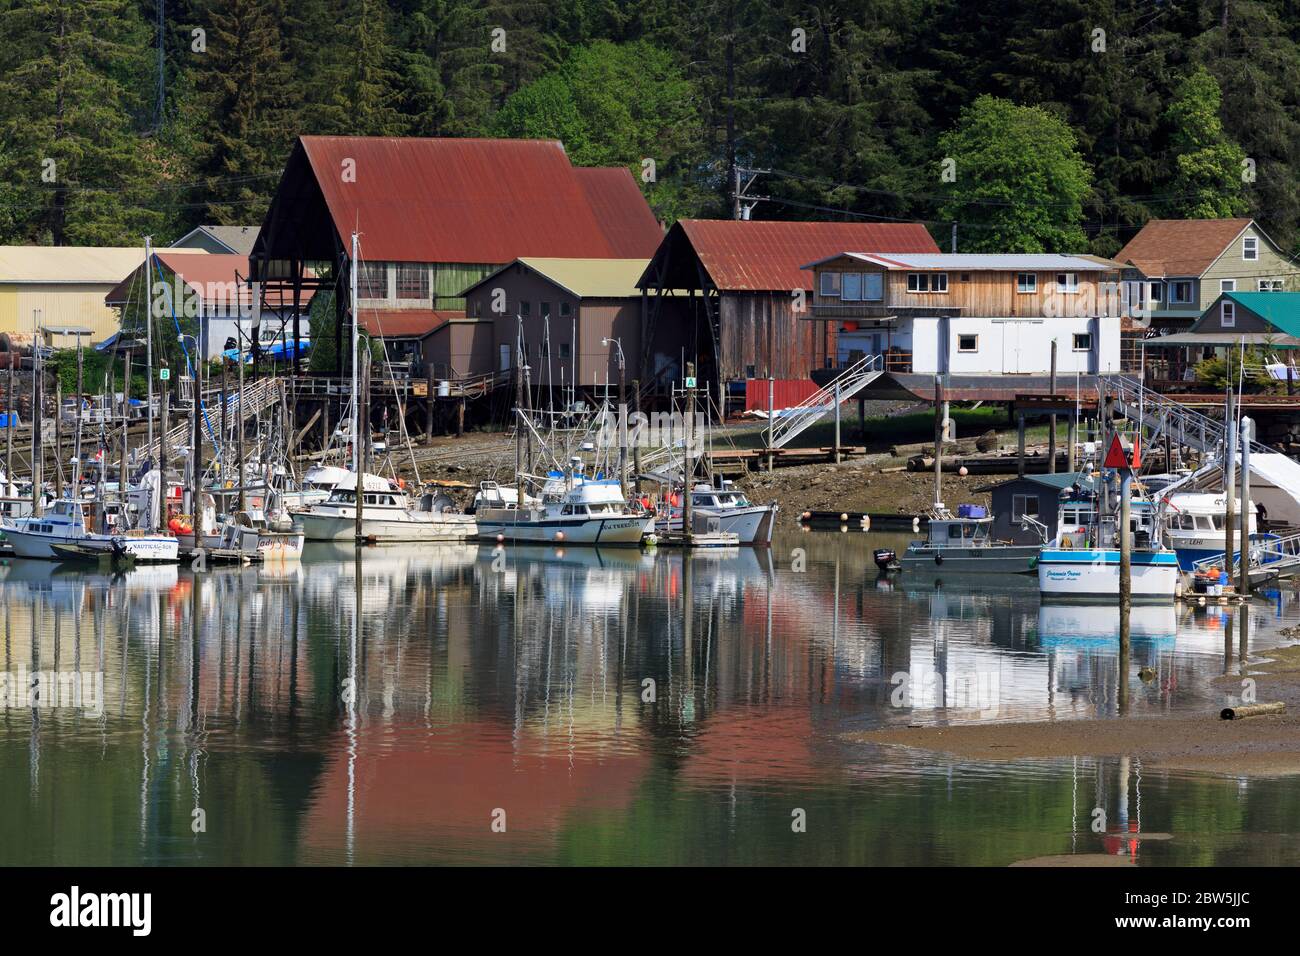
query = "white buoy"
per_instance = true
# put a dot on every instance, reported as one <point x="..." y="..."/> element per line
<point x="962" y="471"/>
<point x="501" y="539"/>
<point x="559" y="536"/>
<point x="844" y="516"/>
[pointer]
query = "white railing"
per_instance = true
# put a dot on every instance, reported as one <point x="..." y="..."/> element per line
<point x="855" y="378"/>
<point x="1196" y="430"/>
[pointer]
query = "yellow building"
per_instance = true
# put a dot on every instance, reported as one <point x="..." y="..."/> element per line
<point x="53" y="286"/>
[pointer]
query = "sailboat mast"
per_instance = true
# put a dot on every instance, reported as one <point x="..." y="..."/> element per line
<point x="148" y="361"/>
<point x="355" y="265"/>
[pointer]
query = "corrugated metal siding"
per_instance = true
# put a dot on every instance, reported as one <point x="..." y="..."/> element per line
<point x="80" y="304"/>
<point x="787" y="392"/>
<point x="450" y="279"/>
<point x="462" y="200"/>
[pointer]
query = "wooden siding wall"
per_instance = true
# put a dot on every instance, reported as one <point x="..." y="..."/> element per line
<point x="988" y="294"/>
<point x="800" y="345"/>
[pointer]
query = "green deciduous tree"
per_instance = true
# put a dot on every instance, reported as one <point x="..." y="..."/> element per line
<point x="1020" y="182"/>
<point x="1207" y="181"/>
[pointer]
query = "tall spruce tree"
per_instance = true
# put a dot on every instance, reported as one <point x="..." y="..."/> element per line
<point x="247" y="106"/>
<point x="74" y="84"/>
<point x="1208" y="167"/>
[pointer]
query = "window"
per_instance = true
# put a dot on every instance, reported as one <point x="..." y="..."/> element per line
<point x="1181" y="291"/>
<point x="1156" y="292"/>
<point x="565" y="310"/>
<point x="1022" y="505"/>
<point x="1227" y="285"/>
<point x="545" y="309"/>
<point x="1270" y="285"/>
<point x="1067" y="282"/>
<point x="851" y="290"/>
<point x="830" y="283"/>
<point x="954" y="531"/>
<point x="525" y="308"/>
<point x="1027" y="282"/>
<point x="968" y="343"/>
<point x="1083" y="341"/>
<point x="565" y="351"/>
<point x="478" y="308"/>
<point x="749" y="371"/>
<point x="412" y="281"/>
<point x="873" y="286"/>
<point x="927" y="282"/>
<point x="373" y="280"/>
<point x="1227" y="314"/>
<point x="1250" y="248"/>
<point x="965" y="277"/>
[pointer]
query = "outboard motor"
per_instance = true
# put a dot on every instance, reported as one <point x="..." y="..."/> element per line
<point x="886" y="558"/>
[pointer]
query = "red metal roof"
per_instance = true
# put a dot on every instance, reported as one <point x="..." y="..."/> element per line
<point x="211" y="276"/>
<point x="753" y="256"/>
<point x="475" y="200"/>
<point x="630" y="226"/>
<point x="405" y="323"/>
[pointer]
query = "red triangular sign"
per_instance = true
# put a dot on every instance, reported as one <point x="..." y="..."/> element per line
<point x="1116" y="457"/>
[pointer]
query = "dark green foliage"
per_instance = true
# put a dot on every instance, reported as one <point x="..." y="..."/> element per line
<point x="848" y="103"/>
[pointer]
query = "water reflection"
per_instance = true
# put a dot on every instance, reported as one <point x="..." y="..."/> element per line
<point x="478" y="704"/>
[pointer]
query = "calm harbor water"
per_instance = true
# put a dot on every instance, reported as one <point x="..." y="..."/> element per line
<point x="599" y="706"/>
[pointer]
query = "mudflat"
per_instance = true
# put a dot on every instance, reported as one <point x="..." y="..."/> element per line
<point x="1256" y="747"/>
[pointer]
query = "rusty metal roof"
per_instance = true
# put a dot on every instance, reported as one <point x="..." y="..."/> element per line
<point x="214" y="276"/>
<point x="629" y="225"/>
<point x="480" y="201"/>
<point x="768" y="256"/>
<point x="405" y="323"/>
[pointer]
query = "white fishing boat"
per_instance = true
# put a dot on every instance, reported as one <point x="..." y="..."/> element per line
<point x="387" y="515"/>
<point x="964" y="542"/>
<point x="317" y="484"/>
<point x="1082" y="563"/>
<point x="751" y="524"/>
<point x="64" y="524"/>
<point x="573" y="510"/>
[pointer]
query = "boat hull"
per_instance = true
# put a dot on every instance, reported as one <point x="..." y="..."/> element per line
<point x="144" y="549"/>
<point x="338" y="527"/>
<point x="621" y="530"/>
<point x="1093" y="575"/>
<point x="752" y="526"/>
<point x="992" y="559"/>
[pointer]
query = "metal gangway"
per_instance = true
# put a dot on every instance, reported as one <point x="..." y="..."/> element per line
<point x="1270" y="558"/>
<point x="257" y="397"/>
<point x="1185" y="426"/>
<point x="794" y="421"/>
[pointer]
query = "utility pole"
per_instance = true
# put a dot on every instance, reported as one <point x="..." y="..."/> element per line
<point x="938" y="442"/>
<point x="1051" y="421"/>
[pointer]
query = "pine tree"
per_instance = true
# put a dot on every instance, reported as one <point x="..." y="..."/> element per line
<point x="73" y="76"/>
<point x="446" y="78"/>
<point x="245" y="96"/>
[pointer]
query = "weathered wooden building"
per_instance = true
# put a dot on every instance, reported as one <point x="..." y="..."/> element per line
<point x="571" y="319"/>
<point x="434" y="216"/>
<point x="740" y="290"/>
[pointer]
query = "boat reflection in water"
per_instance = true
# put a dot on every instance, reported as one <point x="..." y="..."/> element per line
<point x="617" y="706"/>
<point x="1082" y="623"/>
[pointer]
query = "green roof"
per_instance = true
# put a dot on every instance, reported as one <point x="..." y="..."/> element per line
<point x="1280" y="309"/>
<point x="592" y="278"/>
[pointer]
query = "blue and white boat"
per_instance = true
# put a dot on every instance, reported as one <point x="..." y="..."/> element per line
<point x="1194" y="527"/>
<point x="1082" y="562"/>
<point x="63" y="526"/>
